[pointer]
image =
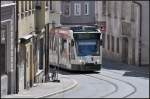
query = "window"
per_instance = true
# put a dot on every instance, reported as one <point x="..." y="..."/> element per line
<point x="132" y="13"/>
<point x="77" y="9"/>
<point x="104" y="8"/>
<point x="117" y="45"/>
<point x="38" y="5"/>
<point x="86" y="8"/>
<point x="51" y="8"/>
<point x="22" y="6"/>
<point x="108" y="42"/>
<point x="26" y="5"/>
<point x="33" y="5"/>
<point x="112" y="43"/>
<point x="67" y="9"/>
<point x="123" y="10"/>
<point x="29" y="5"/>
<point x="109" y="8"/>
<point x="46" y="3"/>
<point x="115" y="9"/>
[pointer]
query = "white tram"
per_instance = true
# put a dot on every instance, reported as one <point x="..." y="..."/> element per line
<point x="77" y="48"/>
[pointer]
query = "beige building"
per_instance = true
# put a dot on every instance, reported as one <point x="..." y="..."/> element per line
<point x="42" y="28"/>
<point x="26" y="31"/>
<point x="35" y="19"/>
<point x="121" y="40"/>
<point x="55" y="12"/>
<point x="47" y="13"/>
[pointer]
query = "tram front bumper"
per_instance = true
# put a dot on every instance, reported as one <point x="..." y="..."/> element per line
<point x="86" y="67"/>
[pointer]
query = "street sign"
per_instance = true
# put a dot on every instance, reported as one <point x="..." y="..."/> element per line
<point x="103" y="26"/>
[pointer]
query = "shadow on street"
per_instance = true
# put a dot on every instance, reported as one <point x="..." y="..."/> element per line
<point x="134" y="71"/>
<point x="69" y="72"/>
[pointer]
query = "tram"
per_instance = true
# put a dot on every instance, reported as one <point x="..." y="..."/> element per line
<point x="76" y="48"/>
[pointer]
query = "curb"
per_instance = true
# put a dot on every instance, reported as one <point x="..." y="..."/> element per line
<point x="61" y="91"/>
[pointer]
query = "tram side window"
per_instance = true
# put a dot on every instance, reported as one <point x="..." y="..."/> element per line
<point x="63" y="45"/>
<point x="51" y="42"/>
<point x="72" y="53"/>
<point x="55" y="43"/>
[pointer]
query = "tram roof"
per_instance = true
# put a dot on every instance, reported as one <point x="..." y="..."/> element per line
<point x="84" y="29"/>
<point x="64" y="33"/>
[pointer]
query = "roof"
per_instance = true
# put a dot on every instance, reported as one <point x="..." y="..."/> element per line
<point x="84" y="28"/>
<point x="60" y="32"/>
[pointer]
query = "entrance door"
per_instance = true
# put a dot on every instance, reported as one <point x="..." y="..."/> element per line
<point x="125" y="50"/>
<point x="27" y="83"/>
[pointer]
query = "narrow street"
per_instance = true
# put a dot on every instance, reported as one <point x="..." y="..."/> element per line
<point x="74" y="49"/>
<point x="111" y="82"/>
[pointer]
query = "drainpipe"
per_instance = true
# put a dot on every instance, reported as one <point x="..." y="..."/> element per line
<point x="17" y="67"/>
<point x="140" y="34"/>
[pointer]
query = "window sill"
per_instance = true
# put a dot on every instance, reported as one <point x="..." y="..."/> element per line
<point x="86" y="14"/>
<point x="77" y="15"/>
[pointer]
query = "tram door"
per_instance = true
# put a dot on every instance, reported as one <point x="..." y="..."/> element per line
<point x="125" y="50"/>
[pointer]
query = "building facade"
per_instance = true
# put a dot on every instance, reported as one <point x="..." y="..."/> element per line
<point x="121" y="38"/>
<point x="55" y="12"/>
<point x="8" y="48"/>
<point x="77" y="13"/>
<point x="42" y="21"/>
<point x="25" y="33"/>
<point x="144" y="30"/>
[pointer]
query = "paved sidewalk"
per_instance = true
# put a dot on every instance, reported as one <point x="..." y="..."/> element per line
<point x="42" y="90"/>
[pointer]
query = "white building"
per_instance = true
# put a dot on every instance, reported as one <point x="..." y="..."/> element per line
<point x="122" y="36"/>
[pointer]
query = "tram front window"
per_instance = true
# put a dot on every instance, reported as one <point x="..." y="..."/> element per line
<point x="87" y="44"/>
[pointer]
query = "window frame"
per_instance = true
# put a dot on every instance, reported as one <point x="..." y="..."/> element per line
<point x="77" y="6"/>
<point x="87" y="6"/>
<point x="69" y="6"/>
<point x="104" y="8"/>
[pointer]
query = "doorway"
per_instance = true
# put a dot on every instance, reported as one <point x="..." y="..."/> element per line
<point x="125" y="50"/>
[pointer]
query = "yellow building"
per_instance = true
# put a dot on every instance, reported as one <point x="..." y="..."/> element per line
<point x="34" y="23"/>
<point x="26" y="32"/>
<point x="42" y="20"/>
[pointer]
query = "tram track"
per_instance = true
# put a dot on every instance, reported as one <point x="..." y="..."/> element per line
<point x="128" y="83"/>
<point x="115" y="85"/>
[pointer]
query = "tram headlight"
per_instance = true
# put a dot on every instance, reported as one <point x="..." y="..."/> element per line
<point x="81" y="61"/>
<point x="98" y="61"/>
